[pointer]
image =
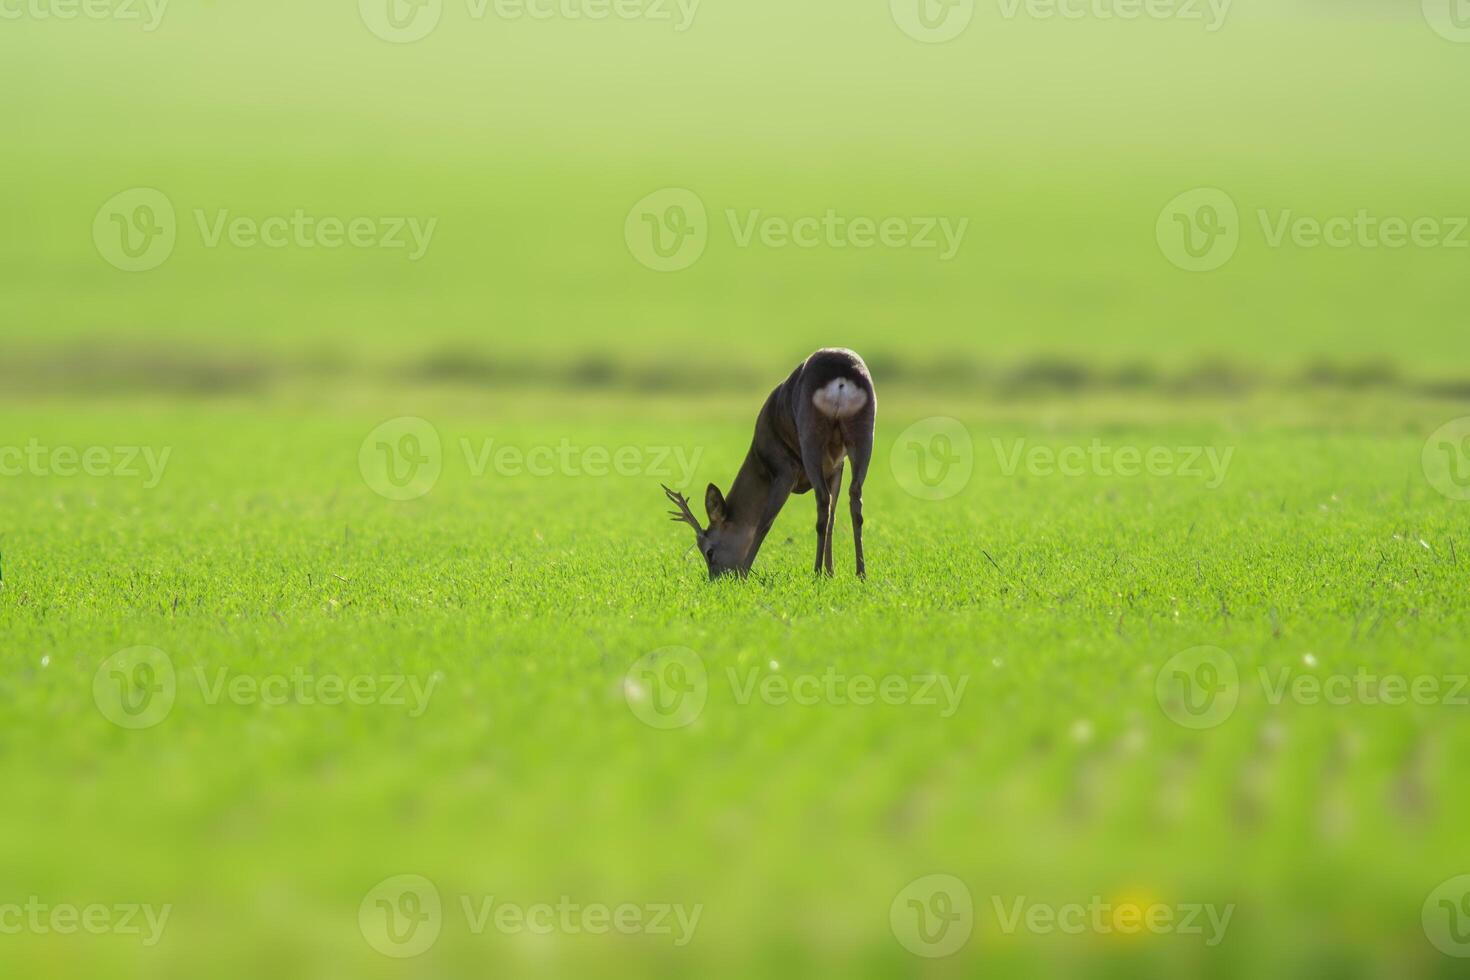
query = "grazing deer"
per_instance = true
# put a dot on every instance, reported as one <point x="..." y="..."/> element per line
<point x="809" y="426"/>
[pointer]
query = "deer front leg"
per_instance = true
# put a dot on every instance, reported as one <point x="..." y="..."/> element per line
<point x="776" y="498"/>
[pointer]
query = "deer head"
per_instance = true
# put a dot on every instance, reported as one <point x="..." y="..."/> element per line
<point x="723" y="545"/>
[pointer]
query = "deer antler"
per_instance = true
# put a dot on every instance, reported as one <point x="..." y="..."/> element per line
<point x="683" y="515"/>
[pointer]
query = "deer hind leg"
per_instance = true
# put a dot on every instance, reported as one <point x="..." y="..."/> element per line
<point x="811" y="461"/>
<point x="858" y="437"/>
<point x="835" y="491"/>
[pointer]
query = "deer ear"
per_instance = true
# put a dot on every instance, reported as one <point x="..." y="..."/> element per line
<point x="714" y="504"/>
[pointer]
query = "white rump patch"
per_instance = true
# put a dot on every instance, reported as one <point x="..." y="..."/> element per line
<point x="840" y="399"/>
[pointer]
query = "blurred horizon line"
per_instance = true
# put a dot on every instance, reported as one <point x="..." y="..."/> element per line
<point x="109" y="367"/>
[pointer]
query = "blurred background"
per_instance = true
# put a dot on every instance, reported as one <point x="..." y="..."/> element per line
<point x="527" y="141"/>
<point x="250" y="232"/>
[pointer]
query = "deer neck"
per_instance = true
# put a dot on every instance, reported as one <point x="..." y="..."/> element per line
<point x="746" y="500"/>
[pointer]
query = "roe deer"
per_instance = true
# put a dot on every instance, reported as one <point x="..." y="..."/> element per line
<point x="810" y="425"/>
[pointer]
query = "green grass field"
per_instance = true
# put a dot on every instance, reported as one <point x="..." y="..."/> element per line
<point x="1171" y="631"/>
<point x="1050" y="603"/>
